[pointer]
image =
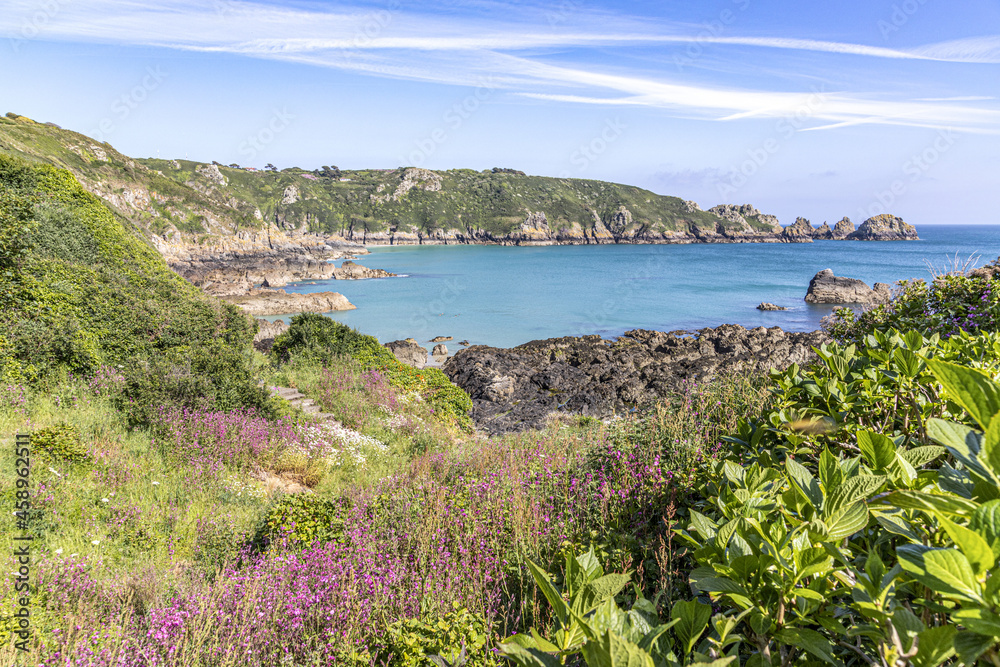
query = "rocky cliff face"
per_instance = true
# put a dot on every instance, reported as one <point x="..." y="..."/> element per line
<point x="519" y="388"/>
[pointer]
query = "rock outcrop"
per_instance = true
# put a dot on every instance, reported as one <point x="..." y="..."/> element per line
<point x="884" y="227"/>
<point x="409" y="352"/>
<point x="519" y="388"/>
<point x="770" y="306"/>
<point x="828" y="288"/>
<point x="439" y="353"/>
<point x="267" y="332"/>
<point x="843" y="229"/>
<point x="278" y="302"/>
<point x="351" y="271"/>
<point x="800" y="231"/>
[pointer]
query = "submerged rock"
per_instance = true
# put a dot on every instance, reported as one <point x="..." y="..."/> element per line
<point x="522" y="387"/>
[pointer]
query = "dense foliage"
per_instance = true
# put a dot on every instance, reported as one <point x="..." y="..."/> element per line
<point x="85" y="292"/>
<point x="949" y="304"/>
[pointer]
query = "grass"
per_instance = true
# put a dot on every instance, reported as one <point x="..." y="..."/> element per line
<point x="429" y="520"/>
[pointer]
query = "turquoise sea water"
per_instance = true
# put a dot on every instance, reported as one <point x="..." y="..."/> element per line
<point x="505" y="296"/>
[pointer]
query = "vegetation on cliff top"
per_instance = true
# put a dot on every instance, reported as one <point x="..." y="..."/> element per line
<point x="166" y="195"/>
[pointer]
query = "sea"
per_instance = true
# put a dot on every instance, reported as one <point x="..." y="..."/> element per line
<point x="507" y="295"/>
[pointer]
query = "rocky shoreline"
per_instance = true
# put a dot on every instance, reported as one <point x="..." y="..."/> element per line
<point x="523" y="387"/>
<point x="536" y="230"/>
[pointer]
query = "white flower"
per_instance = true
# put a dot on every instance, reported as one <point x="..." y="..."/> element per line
<point x="104" y="500"/>
<point x="156" y="483"/>
<point x="59" y="550"/>
<point x="95" y="542"/>
<point x="53" y="470"/>
<point x="72" y="555"/>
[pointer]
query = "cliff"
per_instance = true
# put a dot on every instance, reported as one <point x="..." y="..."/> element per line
<point x="278" y="226"/>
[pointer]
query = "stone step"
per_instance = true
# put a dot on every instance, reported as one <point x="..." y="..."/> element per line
<point x="310" y="409"/>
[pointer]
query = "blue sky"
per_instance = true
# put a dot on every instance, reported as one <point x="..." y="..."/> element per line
<point x="814" y="109"/>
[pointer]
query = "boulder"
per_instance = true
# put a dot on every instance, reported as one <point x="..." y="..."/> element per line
<point x="409" y="352"/>
<point x="441" y="339"/>
<point x="770" y="306"/>
<point x="267" y="332"/>
<point x="828" y="288"/>
<point x="439" y="353"/>
<point x="520" y="388"/>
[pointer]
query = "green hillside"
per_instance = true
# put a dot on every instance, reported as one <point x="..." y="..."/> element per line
<point x="164" y="196"/>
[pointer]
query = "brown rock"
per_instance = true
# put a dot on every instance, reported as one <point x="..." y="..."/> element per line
<point x="828" y="288"/>
<point x="278" y="302"/>
<point x="409" y="352"/>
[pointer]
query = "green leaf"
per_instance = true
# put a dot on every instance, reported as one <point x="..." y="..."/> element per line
<point x="981" y="621"/>
<point x="878" y="450"/>
<point x="921" y="456"/>
<point x="597" y="591"/>
<point x="816" y="644"/>
<point x="549" y="591"/>
<point x="976" y="549"/>
<point x="930" y="502"/>
<point x="830" y="475"/>
<point x="971" y="388"/>
<point x="986" y="521"/>
<point x="610" y="650"/>
<point x="935" y="646"/>
<point x="528" y="657"/>
<point x="989" y="452"/>
<point x="705" y="527"/>
<point x="847" y="522"/>
<point x="693" y="618"/>
<point x="805" y="482"/>
<point x="971" y="645"/>
<point x="852" y="490"/>
<point x="946" y="571"/>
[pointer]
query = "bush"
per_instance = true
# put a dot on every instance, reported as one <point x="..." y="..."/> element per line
<point x="313" y="337"/>
<point x="411" y="642"/>
<point x="303" y="520"/>
<point x="60" y="442"/>
<point x="946" y="306"/>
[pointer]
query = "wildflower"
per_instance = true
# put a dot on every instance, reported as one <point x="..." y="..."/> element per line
<point x="95" y="542"/>
<point x="156" y="483"/>
<point x="104" y="500"/>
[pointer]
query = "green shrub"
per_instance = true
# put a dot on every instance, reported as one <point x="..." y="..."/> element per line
<point x="60" y="442"/>
<point x="411" y="642"/>
<point x="302" y="519"/>
<point x="317" y="338"/>
<point x="948" y="305"/>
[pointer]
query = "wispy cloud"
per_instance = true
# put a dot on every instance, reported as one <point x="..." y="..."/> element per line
<point x="512" y="55"/>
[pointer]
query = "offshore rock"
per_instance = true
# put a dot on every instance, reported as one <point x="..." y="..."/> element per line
<point x="800" y="231"/>
<point x="843" y="229"/>
<point x="520" y="388"/>
<point x="884" y="227"/>
<point x="828" y="288"/>
<point x="351" y="271"/>
<point x="770" y="306"/>
<point x="278" y="302"/>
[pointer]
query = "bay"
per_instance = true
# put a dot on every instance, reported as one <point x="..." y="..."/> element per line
<point x="505" y="296"/>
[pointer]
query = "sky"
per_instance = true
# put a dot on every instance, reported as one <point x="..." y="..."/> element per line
<point x="821" y="110"/>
